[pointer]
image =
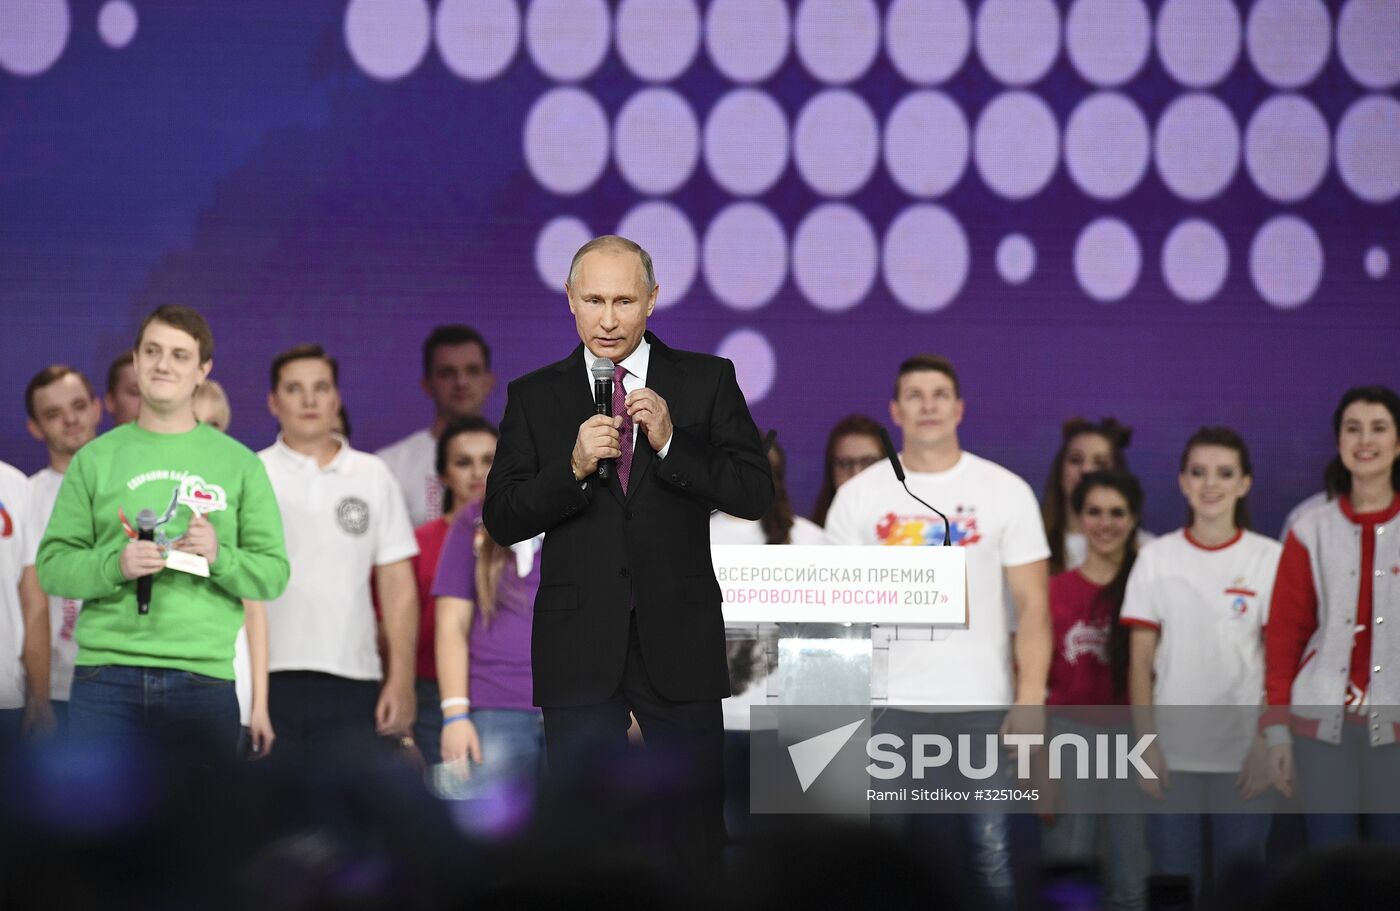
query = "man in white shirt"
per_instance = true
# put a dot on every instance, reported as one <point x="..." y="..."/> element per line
<point x="457" y="377"/>
<point x="24" y="617"/>
<point x="344" y="519"/>
<point x="994" y="514"/>
<point x="63" y="415"/>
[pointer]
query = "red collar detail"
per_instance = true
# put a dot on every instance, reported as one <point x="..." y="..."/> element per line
<point x="1239" y="533"/>
<point x="1369" y="518"/>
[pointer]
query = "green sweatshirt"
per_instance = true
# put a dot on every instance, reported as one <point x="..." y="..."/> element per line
<point x="193" y="621"/>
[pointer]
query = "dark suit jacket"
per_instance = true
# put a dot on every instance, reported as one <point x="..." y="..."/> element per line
<point x="604" y="550"/>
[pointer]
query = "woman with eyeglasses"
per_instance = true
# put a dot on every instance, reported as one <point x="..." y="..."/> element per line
<point x="852" y="446"/>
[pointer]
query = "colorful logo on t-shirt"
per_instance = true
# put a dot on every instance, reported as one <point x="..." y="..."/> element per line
<point x="1240" y="593"/>
<point x="7" y="525"/>
<point x="924" y="531"/>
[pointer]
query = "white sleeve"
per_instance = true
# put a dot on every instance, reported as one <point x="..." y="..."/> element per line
<point x="1140" y="603"/>
<point x="31" y="525"/>
<point x="1024" y="539"/>
<point x="396" y="539"/>
<point x="843" y="518"/>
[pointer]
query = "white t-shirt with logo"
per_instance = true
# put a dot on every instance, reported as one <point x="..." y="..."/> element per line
<point x="63" y="612"/>
<point x="340" y="521"/>
<point x="413" y="461"/>
<point x="19" y="540"/>
<point x="994" y="514"/>
<point x="1210" y="605"/>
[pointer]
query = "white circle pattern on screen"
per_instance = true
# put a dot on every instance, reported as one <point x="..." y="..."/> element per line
<point x="1198" y="40"/>
<point x="835" y="142"/>
<point x="388" y="38"/>
<point x="1107" y="145"/>
<point x="1368" y="148"/>
<point x="755" y="364"/>
<point x="1107" y="259"/>
<point x="927" y="40"/>
<point x="477" y="39"/>
<point x="926" y="144"/>
<point x="657" y="39"/>
<point x="34" y="35"/>
<point x="1015" y="259"/>
<point x="834" y="257"/>
<point x="1287" y="148"/>
<point x="1368" y="35"/>
<point x="837" y="40"/>
<point x="1197" y="147"/>
<point x="1195" y="261"/>
<point x="116" y="23"/>
<point x="1288" y="40"/>
<point x="1108" y="40"/>
<point x="1286" y="262"/>
<point x="747" y="39"/>
<point x="555" y="247"/>
<point x="1018" y="40"/>
<point x="744" y="255"/>
<point x="566" y="140"/>
<point x="1377" y="262"/>
<point x="656" y="141"/>
<point x="926" y="258"/>
<point x="567" y="39"/>
<point x="665" y="233"/>
<point x="1016" y="145"/>
<point x="746" y="142"/>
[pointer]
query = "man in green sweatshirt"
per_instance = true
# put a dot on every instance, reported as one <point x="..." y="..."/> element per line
<point x="163" y="668"/>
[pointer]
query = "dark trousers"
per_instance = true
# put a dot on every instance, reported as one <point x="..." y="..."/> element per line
<point x="321" y="717"/>
<point x="678" y="786"/>
<point x="427" y="727"/>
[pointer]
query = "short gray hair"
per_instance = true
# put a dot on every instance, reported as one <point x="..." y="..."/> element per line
<point x="615" y="242"/>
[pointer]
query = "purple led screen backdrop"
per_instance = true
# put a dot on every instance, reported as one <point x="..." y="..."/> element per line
<point x="1177" y="212"/>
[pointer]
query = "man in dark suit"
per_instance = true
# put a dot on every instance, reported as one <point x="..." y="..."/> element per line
<point x="627" y="618"/>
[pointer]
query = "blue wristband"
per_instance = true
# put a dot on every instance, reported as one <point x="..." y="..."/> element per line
<point x="451" y="718"/>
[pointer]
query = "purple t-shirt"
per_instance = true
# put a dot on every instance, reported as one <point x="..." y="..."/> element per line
<point x="499" y="650"/>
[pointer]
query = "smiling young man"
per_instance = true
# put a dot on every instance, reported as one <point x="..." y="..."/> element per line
<point x="164" y="669"/>
<point x="63" y="415"/>
<point x="345" y="523"/>
<point x="628" y="613"/>
<point x="995" y="516"/>
<point x="457" y="378"/>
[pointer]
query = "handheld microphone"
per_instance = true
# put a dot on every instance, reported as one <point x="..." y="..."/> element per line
<point x="893" y="456"/>
<point x="602" y="371"/>
<point x="146" y="531"/>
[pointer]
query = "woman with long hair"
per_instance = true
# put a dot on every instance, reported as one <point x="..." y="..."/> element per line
<point x="1331" y="657"/>
<point x="465" y="448"/>
<point x="1084" y="446"/>
<point x="852" y="446"/>
<point x="779" y="525"/>
<point x="1089" y="667"/>
<point x="1196" y="601"/>
<point x="485" y="597"/>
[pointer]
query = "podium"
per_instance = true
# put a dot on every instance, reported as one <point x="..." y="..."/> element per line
<point x="813" y="624"/>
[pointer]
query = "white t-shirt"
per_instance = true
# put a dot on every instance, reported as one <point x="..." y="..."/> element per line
<point x="726" y="529"/>
<point x="413" y="462"/>
<point x="994" y="514"/>
<point x="19" y="540"/>
<point x="340" y="521"/>
<point x="63" y="612"/>
<point x="1210" y="605"/>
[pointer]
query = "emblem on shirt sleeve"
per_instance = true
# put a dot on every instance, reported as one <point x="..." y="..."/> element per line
<point x="353" y="515"/>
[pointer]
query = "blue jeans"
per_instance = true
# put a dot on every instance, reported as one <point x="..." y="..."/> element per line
<point x="987" y="836"/>
<point x="512" y="745"/>
<point x="1353" y="775"/>
<point x="1122" y="856"/>
<point x="1175" y="839"/>
<point x="116" y="702"/>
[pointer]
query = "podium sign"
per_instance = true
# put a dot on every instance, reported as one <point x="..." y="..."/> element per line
<point x="926" y="586"/>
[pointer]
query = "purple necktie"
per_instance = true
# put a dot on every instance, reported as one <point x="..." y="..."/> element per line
<point x="619" y="407"/>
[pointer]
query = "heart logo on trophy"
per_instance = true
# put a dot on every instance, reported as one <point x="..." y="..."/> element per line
<point x="202" y="497"/>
